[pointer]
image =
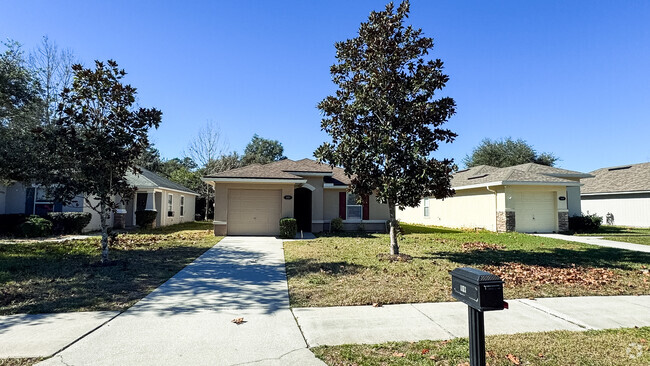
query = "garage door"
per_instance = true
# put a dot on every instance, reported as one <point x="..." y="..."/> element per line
<point x="254" y="212"/>
<point x="535" y="212"/>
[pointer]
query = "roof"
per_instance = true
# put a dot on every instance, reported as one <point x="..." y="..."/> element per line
<point x="285" y="169"/>
<point x="625" y="178"/>
<point x="530" y="173"/>
<point x="149" y="179"/>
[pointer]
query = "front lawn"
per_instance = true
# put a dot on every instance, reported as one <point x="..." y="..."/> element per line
<point x="44" y="277"/>
<point x="354" y="270"/>
<point x="604" y="347"/>
<point x="625" y="234"/>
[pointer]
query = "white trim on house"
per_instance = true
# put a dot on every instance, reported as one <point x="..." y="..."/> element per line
<point x="517" y="183"/>
<point x="613" y="193"/>
<point x="350" y="221"/>
<point x="334" y="187"/>
<point x="253" y="180"/>
<point x="308" y="186"/>
<point x="160" y="189"/>
<point x="309" y="174"/>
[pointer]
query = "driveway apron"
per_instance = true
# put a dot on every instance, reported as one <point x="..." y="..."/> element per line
<point x="188" y="320"/>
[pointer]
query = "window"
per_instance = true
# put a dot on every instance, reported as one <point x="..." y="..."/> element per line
<point x="182" y="209"/>
<point x="42" y="202"/>
<point x="170" y="205"/>
<point x="426" y="207"/>
<point x="354" y="209"/>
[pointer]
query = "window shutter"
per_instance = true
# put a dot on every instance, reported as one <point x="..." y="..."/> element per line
<point x="366" y="208"/>
<point x="29" y="201"/>
<point x="342" y="205"/>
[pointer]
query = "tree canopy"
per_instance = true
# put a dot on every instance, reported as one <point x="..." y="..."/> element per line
<point x="507" y="152"/>
<point x="384" y="120"/>
<point x="262" y="151"/>
<point x="96" y="140"/>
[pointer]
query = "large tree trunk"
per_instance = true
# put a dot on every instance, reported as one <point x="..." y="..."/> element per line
<point x="394" y="247"/>
<point x="104" y="226"/>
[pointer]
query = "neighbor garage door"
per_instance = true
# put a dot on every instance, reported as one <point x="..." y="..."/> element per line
<point x="535" y="212"/>
<point x="254" y="212"/>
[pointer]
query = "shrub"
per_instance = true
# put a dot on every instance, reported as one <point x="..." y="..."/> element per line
<point x="288" y="228"/>
<point x="10" y="224"/>
<point x="585" y="223"/>
<point x="69" y="222"/>
<point x="36" y="226"/>
<point x="336" y="225"/>
<point x="145" y="219"/>
<point x="198" y="217"/>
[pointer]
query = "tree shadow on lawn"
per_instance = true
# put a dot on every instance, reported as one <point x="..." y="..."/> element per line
<point x="349" y="234"/>
<point x="304" y="267"/>
<point x="557" y="257"/>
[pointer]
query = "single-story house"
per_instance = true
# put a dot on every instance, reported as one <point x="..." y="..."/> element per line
<point x="251" y="200"/>
<point x="174" y="203"/>
<point x="524" y="198"/>
<point x="620" y="193"/>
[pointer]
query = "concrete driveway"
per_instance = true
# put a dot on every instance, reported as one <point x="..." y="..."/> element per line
<point x="187" y="320"/>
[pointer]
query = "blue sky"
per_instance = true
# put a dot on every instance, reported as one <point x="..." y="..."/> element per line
<point x="570" y="77"/>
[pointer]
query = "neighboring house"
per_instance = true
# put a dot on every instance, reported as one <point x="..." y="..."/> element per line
<point x="622" y="193"/>
<point x="524" y="198"/>
<point x="174" y="203"/>
<point x="251" y="200"/>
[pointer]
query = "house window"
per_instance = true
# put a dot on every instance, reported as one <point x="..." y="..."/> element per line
<point x="182" y="209"/>
<point x="42" y="202"/>
<point x="354" y="209"/>
<point x="170" y="205"/>
<point x="426" y="207"/>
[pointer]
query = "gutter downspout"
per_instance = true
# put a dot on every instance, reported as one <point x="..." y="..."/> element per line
<point x="496" y="214"/>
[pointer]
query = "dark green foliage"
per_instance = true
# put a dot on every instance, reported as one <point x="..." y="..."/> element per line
<point x="384" y="120"/>
<point x="36" y="226"/>
<point x="10" y="224"/>
<point x="145" y="219"/>
<point x="585" y="223"/>
<point x="507" y="152"/>
<point x="262" y="151"/>
<point x="69" y="222"/>
<point x="336" y="225"/>
<point x="288" y="228"/>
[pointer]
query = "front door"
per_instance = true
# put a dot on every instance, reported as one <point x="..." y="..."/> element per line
<point x="302" y="209"/>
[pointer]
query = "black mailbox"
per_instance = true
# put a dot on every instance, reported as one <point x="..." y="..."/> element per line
<point x="478" y="289"/>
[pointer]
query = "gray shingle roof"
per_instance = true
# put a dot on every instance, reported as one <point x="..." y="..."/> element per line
<point x="148" y="179"/>
<point x="529" y="173"/>
<point x="285" y="169"/>
<point x="626" y="178"/>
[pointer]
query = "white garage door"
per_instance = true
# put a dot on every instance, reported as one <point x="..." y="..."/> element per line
<point x="535" y="212"/>
<point x="254" y="212"/>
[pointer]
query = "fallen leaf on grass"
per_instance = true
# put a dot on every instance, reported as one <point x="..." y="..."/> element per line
<point x="238" y="321"/>
<point x="540" y="355"/>
<point x="513" y="359"/>
<point x="376" y="305"/>
<point x="398" y="354"/>
<point x="515" y="274"/>
<point x="425" y="351"/>
<point x="491" y="354"/>
<point x="480" y="246"/>
<point x="433" y="357"/>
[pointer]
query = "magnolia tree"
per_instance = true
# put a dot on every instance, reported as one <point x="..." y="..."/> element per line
<point x="97" y="140"/>
<point x="384" y="119"/>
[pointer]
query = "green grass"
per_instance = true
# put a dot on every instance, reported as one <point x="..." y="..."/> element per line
<point x="346" y="270"/>
<point x="559" y="348"/>
<point x="625" y="234"/>
<point x="44" y="277"/>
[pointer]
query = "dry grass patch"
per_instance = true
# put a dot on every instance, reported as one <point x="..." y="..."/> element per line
<point x="19" y="361"/>
<point x="356" y="270"/>
<point x="560" y="348"/>
<point x="45" y="277"/>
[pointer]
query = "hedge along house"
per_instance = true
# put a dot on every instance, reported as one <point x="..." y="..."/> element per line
<point x="621" y="195"/>
<point x="523" y="198"/>
<point x="251" y="200"/>
<point x="173" y="202"/>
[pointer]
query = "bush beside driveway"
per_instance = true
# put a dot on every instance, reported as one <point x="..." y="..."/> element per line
<point x="354" y="270"/>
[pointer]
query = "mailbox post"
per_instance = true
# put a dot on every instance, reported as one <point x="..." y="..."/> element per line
<point x="481" y="291"/>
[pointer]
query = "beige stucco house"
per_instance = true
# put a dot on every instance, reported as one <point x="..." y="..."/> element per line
<point x="251" y="200"/>
<point x="620" y="193"/>
<point x="173" y="202"/>
<point x="523" y="198"/>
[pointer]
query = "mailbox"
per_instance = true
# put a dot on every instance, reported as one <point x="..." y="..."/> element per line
<point x="478" y="289"/>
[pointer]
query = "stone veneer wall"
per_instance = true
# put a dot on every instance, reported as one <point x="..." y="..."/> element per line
<point x="505" y="221"/>
<point x="562" y="221"/>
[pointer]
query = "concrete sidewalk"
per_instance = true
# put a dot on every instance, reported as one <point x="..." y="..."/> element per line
<point x="187" y="320"/>
<point x="438" y="321"/>
<point x="598" y="240"/>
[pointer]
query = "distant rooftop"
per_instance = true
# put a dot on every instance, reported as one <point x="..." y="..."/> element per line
<point x="624" y="178"/>
<point x="528" y="173"/>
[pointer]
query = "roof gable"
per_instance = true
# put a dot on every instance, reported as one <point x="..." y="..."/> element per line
<point x="524" y="173"/>
<point x="149" y="179"/>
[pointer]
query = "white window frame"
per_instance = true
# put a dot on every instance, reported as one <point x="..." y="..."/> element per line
<point x="355" y="205"/>
<point x="170" y="204"/>
<point x="426" y="206"/>
<point x="181" y="208"/>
